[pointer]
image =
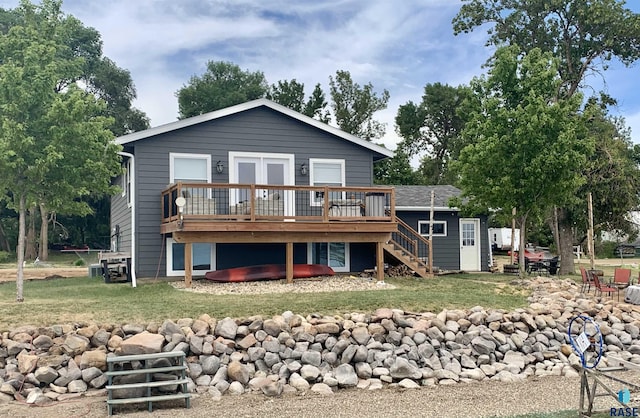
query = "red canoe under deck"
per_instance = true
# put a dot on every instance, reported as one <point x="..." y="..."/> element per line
<point x="268" y="272"/>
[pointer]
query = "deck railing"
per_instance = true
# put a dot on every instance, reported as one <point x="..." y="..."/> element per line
<point x="261" y="202"/>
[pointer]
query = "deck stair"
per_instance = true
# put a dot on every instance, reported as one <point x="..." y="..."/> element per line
<point x="410" y="248"/>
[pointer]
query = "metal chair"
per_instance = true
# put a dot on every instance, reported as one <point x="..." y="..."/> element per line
<point x="621" y="278"/>
<point x="586" y="280"/>
<point x="604" y="288"/>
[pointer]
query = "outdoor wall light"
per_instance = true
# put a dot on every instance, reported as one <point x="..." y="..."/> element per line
<point x="303" y="169"/>
<point x="219" y="167"/>
<point x="180" y="202"/>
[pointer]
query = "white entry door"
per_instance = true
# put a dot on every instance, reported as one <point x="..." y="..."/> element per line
<point x="470" y="244"/>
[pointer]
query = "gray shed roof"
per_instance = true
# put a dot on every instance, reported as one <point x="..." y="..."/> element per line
<point x="379" y="152"/>
<point x="419" y="197"/>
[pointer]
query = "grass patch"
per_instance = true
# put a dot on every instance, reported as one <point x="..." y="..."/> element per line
<point x="57" y="301"/>
<point x="57" y="259"/>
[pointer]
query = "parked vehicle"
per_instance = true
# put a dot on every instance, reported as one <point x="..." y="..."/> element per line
<point x="501" y="239"/>
<point x="540" y="259"/>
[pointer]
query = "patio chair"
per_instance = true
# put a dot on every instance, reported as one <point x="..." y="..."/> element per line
<point x="621" y="278"/>
<point x="604" y="288"/>
<point x="587" y="280"/>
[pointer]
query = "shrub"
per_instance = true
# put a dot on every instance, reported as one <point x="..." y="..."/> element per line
<point x="604" y="249"/>
<point x="79" y="263"/>
<point x="5" y="257"/>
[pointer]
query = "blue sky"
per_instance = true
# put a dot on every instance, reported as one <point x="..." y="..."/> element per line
<point x="396" y="45"/>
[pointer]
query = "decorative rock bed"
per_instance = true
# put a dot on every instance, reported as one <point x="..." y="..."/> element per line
<point x="321" y="353"/>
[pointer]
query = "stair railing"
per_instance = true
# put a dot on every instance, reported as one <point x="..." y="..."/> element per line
<point x="411" y="242"/>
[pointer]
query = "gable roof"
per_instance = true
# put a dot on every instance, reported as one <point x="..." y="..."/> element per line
<point x="419" y="197"/>
<point x="206" y="117"/>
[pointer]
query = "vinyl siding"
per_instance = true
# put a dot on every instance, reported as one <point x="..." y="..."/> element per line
<point x="121" y="216"/>
<point x="446" y="250"/>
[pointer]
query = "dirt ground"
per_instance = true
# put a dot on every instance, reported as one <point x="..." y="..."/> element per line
<point x="39" y="273"/>
<point x="486" y="399"/>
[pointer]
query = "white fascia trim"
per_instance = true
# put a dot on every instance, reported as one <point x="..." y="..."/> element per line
<point x="172" y="126"/>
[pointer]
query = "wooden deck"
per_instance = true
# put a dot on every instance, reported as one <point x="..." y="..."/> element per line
<point x="250" y="213"/>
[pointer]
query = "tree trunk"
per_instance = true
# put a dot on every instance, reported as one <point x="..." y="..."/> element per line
<point x="4" y="241"/>
<point x="30" y="252"/>
<point x="523" y="241"/>
<point x="20" y="249"/>
<point x="565" y="244"/>
<point x="44" y="233"/>
<point x="553" y="225"/>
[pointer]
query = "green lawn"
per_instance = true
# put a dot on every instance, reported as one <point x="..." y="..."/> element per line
<point x="57" y="301"/>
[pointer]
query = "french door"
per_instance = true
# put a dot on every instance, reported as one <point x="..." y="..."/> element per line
<point x="262" y="168"/>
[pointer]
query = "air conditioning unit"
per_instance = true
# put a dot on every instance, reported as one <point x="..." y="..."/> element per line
<point x="95" y="270"/>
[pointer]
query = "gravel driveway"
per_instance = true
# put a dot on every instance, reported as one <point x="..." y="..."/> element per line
<point x="484" y="399"/>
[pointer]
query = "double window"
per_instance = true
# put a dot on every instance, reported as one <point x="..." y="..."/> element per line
<point x="202" y="254"/>
<point x="439" y="228"/>
<point x="332" y="254"/>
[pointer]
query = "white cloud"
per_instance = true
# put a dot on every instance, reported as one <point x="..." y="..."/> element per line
<point x="633" y="122"/>
<point x="399" y="46"/>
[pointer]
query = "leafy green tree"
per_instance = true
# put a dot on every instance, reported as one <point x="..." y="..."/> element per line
<point x="288" y="93"/>
<point x="612" y="175"/>
<point x="396" y="170"/>
<point x="291" y="94"/>
<point x="98" y="75"/>
<point x="433" y="128"/>
<point x="222" y="85"/>
<point x="528" y="146"/>
<point x="316" y="105"/>
<point x="115" y="87"/>
<point x="55" y="145"/>
<point x="584" y="36"/>
<point x="353" y="106"/>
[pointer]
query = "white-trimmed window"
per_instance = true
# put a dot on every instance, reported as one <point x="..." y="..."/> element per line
<point x="202" y="254"/>
<point x="332" y="254"/>
<point x="439" y="228"/>
<point x="126" y="181"/>
<point x="193" y="168"/>
<point x="326" y="172"/>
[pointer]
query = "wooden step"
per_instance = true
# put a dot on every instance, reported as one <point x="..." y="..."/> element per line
<point x="149" y="399"/>
<point x="154" y="384"/>
<point x="150" y="370"/>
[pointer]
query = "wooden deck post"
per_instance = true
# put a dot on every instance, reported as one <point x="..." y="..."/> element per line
<point x="289" y="262"/>
<point x="380" y="261"/>
<point x="188" y="262"/>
